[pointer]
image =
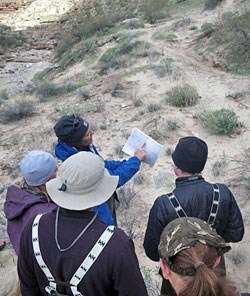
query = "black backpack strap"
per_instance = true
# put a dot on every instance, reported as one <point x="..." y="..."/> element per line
<point x="176" y="205"/>
<point x="215" y="205"/>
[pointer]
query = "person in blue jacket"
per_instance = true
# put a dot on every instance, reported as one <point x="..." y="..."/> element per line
<point x="74" y="134"/>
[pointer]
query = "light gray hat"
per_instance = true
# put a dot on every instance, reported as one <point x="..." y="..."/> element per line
<point x="37" y="167"/>
<point x="83" y="182"/>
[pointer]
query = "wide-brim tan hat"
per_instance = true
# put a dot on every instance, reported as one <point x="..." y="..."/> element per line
<point x="83" y="182"/>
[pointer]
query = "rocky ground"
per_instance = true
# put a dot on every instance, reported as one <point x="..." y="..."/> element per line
<point x="119" y="116"/>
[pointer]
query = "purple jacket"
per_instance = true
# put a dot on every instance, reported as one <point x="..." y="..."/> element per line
<point x="20" y="206"/>
<point x="115" y="272"/>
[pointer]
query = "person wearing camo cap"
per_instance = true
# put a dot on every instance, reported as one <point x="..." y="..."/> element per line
<point x="190" y="251"/>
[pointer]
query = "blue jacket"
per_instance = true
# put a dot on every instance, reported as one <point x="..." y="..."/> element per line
<point x="195" y="196"/>
<point x="125" y="169"/>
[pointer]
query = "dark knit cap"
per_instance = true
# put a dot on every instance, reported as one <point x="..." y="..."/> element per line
<point x="71" y="128"/>
<point x="190" y="154"/>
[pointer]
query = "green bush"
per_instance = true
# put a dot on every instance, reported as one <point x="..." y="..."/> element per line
<point x="21" y="109"/>
<point x="49" y="90"/>
<point x="248" y="183"/>
<point x="122" y="54"/>
<point x="221" y="121"/>
<point x="231" y="36"/>
<point x="182" y="96"/>
<point x="87" y="47"/>
<point x="211" y="4"/>
<point x="207" y="30"/>
<point x="153" y="10"/>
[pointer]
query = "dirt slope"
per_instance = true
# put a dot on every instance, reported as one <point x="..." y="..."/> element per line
<point x="119" y="116"/>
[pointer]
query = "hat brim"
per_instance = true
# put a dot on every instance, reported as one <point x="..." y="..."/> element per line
<point x="83" y="201"/>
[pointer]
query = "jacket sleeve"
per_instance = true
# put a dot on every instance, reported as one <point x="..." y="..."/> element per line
<point x="156" y="223"/>
<point x="28" y="281"/>
<point x="128" y="280"/>
<point x="125" y="169"/>
<point x="234" y="230"/>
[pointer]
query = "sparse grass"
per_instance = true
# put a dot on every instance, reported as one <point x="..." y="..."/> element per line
<point x="219" y="165"/>
<point x="171" y="125"/>
<point x="48" y="91"/>
<point x="164" y="67"/>
<point x="162" y="35"/>
<point x="153" y="107"/>
<point x="4" y="95"/>
<point x="123" y="54"/>
<point x="134" y="24"/>
<point x="248" y="183"/>
<point x="156" y="134"/>
<point x="96" y="107"/>
<point x="221" y="122"/>
<point x="78" y="53"/>
<point x="126" y="193"/>
<point x="137" y="103"/>
<point x="150" y="275"/>
<point x="17" y="111"/>
<point x="154" y="10"/>
<point x="237" y="257"/>
<point x="169" y="151"/>
<point x="10" y="39"/>
<point x="139" y="179"/>
<point x="129" y="223"/>
<point x="43" y="76"/>
<point x="193" y="27"/>
<point x="211" y="4"/>
<point x="83" y="94"/>
<point x="207" y="29"/>
<point x="231" y="36"/>
<point x="118" y="150"/>
<point x="182" y="96"/>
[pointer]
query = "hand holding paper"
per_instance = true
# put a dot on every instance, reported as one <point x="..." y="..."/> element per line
<point x="138" y="139"/>
<point x="140" y="152"/>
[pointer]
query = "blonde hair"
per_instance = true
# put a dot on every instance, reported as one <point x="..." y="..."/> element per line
<point x="40" y="189"/>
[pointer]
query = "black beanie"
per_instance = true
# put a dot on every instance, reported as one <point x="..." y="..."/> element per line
<point x="190" y="154"/>
<point x="71" y="128"/>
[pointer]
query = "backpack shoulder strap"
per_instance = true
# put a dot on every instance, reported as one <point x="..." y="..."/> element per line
<point x="39" y="258"/>
<point x="91" y="258"/>
<point x="215" y="205"/>
<point x="176" y="205"/>
<point x="83" y="268"/>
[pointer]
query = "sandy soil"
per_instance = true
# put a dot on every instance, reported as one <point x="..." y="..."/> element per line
<point x="119" y="116"/>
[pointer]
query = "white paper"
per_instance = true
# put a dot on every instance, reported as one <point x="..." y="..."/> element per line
<point x="136" y="140"/>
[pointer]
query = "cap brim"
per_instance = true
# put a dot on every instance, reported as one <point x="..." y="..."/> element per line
<point x="84" y="201"/>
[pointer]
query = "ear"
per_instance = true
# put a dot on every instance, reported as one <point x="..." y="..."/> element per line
<point x="217" y="261"/>
<point x="166" y="272"/>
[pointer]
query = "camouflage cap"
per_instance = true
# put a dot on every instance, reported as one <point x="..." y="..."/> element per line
<point x="184" y="233"/>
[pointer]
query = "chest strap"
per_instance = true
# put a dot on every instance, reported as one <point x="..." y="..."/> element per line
<point x="213" y="211"/>
<point x="82" y="269"/>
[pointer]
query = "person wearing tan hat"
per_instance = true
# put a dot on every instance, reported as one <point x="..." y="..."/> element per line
<point x="193" y="196"/>
<point x="31" y="198"/>
<point x="190" y="251"/>
<point x="72" y="251"/>
<point x="74" y="134"/>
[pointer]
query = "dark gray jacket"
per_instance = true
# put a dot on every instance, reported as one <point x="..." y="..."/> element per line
<point x="195" y="196"/>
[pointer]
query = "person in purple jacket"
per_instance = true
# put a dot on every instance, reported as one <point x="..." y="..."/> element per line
<point x="71" y="251"/>
<point x="22" y="204"/>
